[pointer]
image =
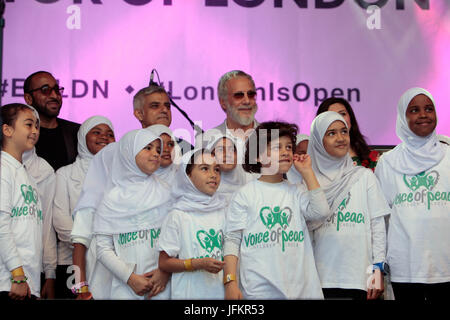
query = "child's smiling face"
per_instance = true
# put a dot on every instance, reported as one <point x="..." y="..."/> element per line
<point x="205" y="174"/>
<point x="336" y="140"/>
<point x="278" y="158"/>
<point x="98" y="137"/>
<point x="149" y="158"/>
<point x="421" y="115"/>
<point x="25" y="130"/>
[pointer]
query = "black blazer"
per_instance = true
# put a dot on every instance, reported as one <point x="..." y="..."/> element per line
<point x="70" y="132"/>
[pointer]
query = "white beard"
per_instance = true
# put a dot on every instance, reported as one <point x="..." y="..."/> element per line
<point x="233" y="113"/>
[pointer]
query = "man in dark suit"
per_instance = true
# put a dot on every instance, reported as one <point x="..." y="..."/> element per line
<point x="58" y="137"/>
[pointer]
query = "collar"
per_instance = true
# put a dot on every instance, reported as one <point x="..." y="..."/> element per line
<point x="228" y="131"/>
<point x="11" y="160"/>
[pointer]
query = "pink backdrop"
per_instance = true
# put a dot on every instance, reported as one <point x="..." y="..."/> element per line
<point x="114" y="45"/>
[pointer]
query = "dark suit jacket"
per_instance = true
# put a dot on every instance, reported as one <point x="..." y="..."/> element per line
<point x="70" y="132"/>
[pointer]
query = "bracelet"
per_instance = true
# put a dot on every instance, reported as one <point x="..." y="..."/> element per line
<point x="188" y="265"/>
<point x="382" y="266"/>
<point x="80" y="287"/>
<point x="87" y="297"/>
<point x="19" y="281"/>
<point x="17" y="272"/>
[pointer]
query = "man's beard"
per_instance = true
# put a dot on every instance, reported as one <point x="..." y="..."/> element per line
<point x="233" y="113"/>
<point x="46" y="112"/>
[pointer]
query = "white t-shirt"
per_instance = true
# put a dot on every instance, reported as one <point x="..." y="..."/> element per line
<point x="187" y="235"/>
<point x="418" y="234"/>
<point x="98" y="277"/>
<point x="276" y="256"/>
<point x="46" y="189"/>
<point x="20" y="200"/>
<point x="137" y="249"/>
<point x="66" y="196"/>
<point x="343" y="243"/>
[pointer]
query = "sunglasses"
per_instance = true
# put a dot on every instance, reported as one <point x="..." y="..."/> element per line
<point x="46" y="90"/>
<point x="239" y="95"/>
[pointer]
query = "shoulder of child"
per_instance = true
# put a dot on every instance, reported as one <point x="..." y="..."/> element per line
<point x="65" y="170"/>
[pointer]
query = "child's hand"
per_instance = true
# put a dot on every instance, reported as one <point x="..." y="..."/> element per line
<point x="302" y="162"/>
<point x="140" y="284"/>
<point x="19" y="291"/>
<point x="376" y="287"/>
<point x="48" y="289"/>
<point x="158" y="280"/>
<point x="232" y="291"/>
<point x="208" y="264"/>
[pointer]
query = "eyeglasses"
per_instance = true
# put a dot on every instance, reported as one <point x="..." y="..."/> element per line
<point x="239" y="95"/>
<point x="46" y="90"/>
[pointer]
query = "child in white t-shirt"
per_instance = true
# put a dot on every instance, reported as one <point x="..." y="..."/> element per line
<point x="353" y="239"/>
<point x="94" y="134"/>
<point x="266" y="222"/>
<point x="415" y="179"/>
<point x="127" y="223"/>
<point x="44" y="176"/>
<point x="191" y="237"/>
<point x="93" y="276"/>
<point x="20" y="208"/>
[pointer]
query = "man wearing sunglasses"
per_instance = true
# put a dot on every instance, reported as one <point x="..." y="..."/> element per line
<point x="58" y="137"/>
<point x="237" y="97"/>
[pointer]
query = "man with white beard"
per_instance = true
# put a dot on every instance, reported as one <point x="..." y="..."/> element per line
<point x="237" y="97"/>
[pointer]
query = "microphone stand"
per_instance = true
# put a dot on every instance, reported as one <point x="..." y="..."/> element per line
<point x="193" y="125"/>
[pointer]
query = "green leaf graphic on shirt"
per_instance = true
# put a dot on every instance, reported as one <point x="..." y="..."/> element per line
<point x="428" y="180"/>
<point x="210" y="240"/>
<point x="271" y="218"/>
<point x="29" y="194"/>
<point x="344" y="202"/>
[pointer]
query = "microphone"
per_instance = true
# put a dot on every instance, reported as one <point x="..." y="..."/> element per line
<point x="151" y="79"/>
<point x="193" y="125"/>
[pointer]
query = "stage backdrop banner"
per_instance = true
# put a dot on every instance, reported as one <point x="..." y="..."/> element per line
<point x="298" y="51"/>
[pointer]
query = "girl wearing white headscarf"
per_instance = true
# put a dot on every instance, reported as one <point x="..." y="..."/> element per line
<point x="171" y="157"/>
<point x="69" y="182"/>
<point x="223" y="146"/>
<point x="293" y="175"/>
<point x="192" y="235"/>
<point x="127" y="223"/>
<point x="94" y="277"/>
<point x="44" y="176"/>
<point x="352" y="240"/>
<point x="415" y="177"/>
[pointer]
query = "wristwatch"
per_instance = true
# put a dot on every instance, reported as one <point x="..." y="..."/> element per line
<point x="383" y="266"/>
<point x="228" y="278"/>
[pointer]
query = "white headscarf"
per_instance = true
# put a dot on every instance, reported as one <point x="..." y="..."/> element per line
<point x="96" y="178"/>
<point x="130" y="192"/>
<point x="293" y="175"/>
<point x="38" y="167"/>
<point x="167" y="174"/>
<point x="415" y="154"/>
<point x="186" y="197"/>
<point x="335" y="175"/>
<point x="84" y="157"/>
<point x="301" y="137"/>
<point x="229" y="181"/>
